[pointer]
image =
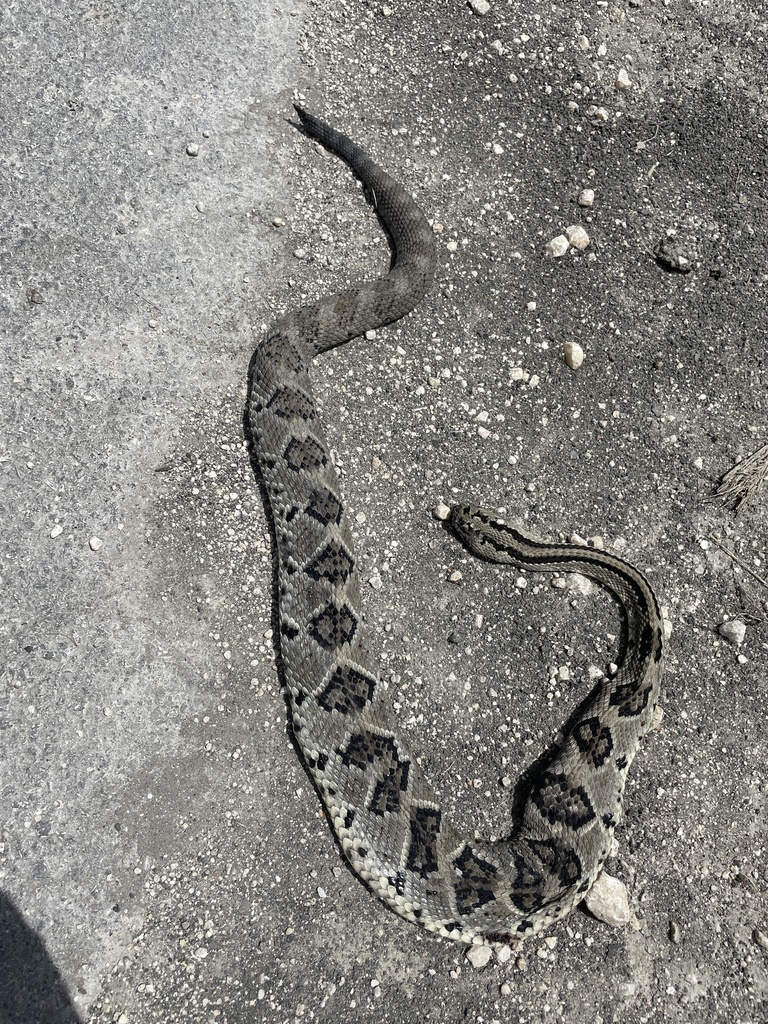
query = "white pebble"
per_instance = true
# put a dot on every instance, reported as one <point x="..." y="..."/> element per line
<point x="558" y="246"/>
<point x="497" y="149"/>
<point x="479" y="956"/>
<point x="734" y="631"/>
<point x="58" y="529"/>
<point x="504" y="954"/>
<point x="483" y="432"/>
<point x="94" y="543"/>
<point x="607" y="900"/>
<point x="441" y="511"/>
<point x="587" y="197"/>
<point x="193" y="149"/>
<point x="277" y="222"/>
<point x="573" y="354"/>
<point x="479" y="7"/>
<point x="622" y="80"/>
<point x="201" y="953"/>
<point x="577" y="236"/>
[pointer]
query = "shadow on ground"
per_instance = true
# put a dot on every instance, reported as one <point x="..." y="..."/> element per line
<point x="31" y="989"/>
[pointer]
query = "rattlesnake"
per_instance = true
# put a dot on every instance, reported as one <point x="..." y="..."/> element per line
<point x="384" y="812"/>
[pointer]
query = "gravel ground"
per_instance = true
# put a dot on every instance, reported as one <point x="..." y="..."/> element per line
<point x="163" y="856"/>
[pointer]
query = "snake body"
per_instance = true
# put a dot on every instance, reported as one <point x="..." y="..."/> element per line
<point x="384" y="812"/>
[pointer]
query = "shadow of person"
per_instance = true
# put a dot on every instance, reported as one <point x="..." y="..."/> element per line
<point x="31" y="989"/>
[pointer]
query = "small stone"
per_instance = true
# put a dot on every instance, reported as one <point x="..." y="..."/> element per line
<point x="676" y="253"/>
<point x="734" y="631"/>
<point x="483" y="432"/>
<point x="455" y="577"/>
<point x="587" y="197"/>
<point x="441" y="511"/>
<point x="627" y="990"/>
<point x="622" y="80"/>
<point x="577" y="236"/>
<point x="583" y="43"/>
<point x="193" y="149"/>
<point x="563" y="674"/>
<point x="573" y="354"/>
<point x="94" y="543"/>
<point x="558" y="246"/>
<point x="201" y="953"/>
<point x="497" y="149"/>
<point x="300" y="254"/>
<point x="504" y="954"/>
<point x="387" y="12"/>
<point x="760" y="938"/>
<point x="57" y="530"/>
<point x="479" y="956"/>
<point x="479" y="7"/>
<point x="277" y="222"/>
<point x="675" y="935"/>
<point x="375" y="582"/>
<point x="505" y="989"/>
<point x="607" y="900"/>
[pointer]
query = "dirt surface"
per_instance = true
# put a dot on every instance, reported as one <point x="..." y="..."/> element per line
<point x="163" y="856"/>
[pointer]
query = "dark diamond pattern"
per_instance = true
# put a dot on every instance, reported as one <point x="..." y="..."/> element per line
<point x="287" y="402"/>
<point x="561" y="803"/>
<point x="333" y="627"/>
<point x="629" y="700"/>
<point x="594" y="741"/>
<point x="334" y="563"/>
<point x="425" y="829"/>
<point x="324" y="506"/>
<point x="347" y="691"/>
<point x="304" y="454"/>
<point x="474" y="882"/>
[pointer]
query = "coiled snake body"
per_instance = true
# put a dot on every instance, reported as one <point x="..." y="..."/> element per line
<point x="383" y="810"/>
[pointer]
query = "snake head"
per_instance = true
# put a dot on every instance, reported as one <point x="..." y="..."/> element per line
<point x="475" y="527"/>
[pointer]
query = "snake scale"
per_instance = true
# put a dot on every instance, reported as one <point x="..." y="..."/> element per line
<point x="384" y="812"/>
